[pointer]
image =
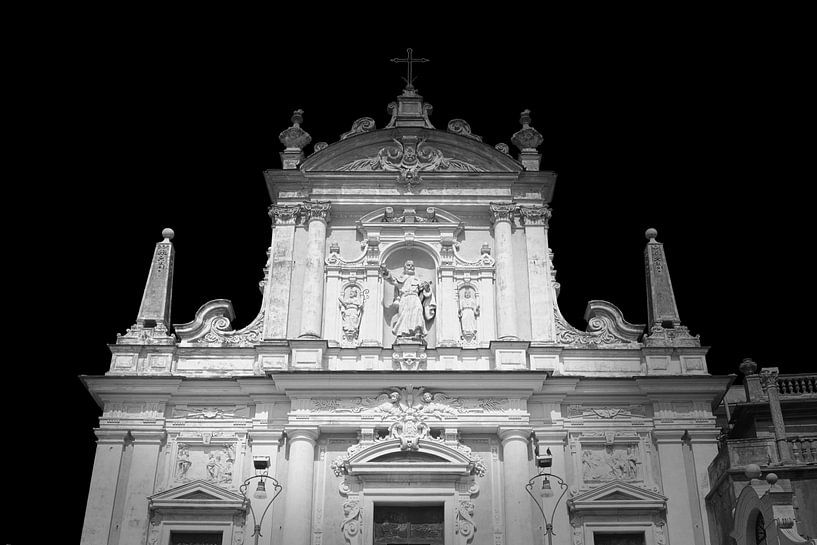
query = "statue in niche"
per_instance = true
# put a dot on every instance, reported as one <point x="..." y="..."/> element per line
<point x="413" y="301"/>
<point x="468" y="312"/>
<point x="351" y="310"/>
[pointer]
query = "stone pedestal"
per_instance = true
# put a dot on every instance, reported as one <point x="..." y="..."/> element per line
<point x="98" y="513"/>
<point x="297" y="520"/>
<point x="408" y="355"/>
<point x="510" y="354"/>
<point x="517" y="470"/>
<point x="308" y="353"/>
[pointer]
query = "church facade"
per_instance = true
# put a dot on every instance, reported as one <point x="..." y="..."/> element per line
<point x="409" y="377"/>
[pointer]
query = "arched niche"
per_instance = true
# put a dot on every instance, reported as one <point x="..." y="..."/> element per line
<point x="425" y="263"/>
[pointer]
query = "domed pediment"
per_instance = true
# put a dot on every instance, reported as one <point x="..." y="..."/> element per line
<point x="410" y="149"/>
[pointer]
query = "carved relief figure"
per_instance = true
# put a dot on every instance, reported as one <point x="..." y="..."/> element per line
<point x="610" y="464"/>
<point x="182" y="463"/>
<point x="468" y="312"/>
<point x="413" y="301"/>
<point x="351" y="310"/>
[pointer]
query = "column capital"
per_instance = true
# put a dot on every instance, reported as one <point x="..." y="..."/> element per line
<point x="550" y="437"/>
<point x="503" y="211"/>
<point x="535" y="215"/>
<point x="265" y="437"/>
<point x="145" y="437"/>
<point x="284" y="214"/>
<point x="310" y="434"/>
<point x="768" y="377"/>
<point x="110" y="436"/>
<point x="316" y="210"/>
<point x="511" y="434"/>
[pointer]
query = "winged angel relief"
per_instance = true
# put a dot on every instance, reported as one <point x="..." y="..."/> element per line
<point x="410" y="157"/>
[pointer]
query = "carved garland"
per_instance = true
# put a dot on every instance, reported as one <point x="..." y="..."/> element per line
<point x="410" y="157"/>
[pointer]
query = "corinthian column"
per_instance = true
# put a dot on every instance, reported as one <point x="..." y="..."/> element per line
<point x="501" y="216"/>
<point x="317" y="215"/>
<point x="540" y="281"/>
<point x="298" y="507"/>
<point x="515" y="472"/>
<point x="279" y="275"/>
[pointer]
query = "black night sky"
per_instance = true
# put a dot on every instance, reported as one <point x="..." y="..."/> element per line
<point x="684" y="131"/>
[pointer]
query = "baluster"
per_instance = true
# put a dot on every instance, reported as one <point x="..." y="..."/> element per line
<point x="794" y="442"/>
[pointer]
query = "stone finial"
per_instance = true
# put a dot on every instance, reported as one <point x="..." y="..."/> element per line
<point x="527" y="139"/>
<point x="294" y="139"/>
<point x="662" y="310"/>
<point x="168" y="234"/>
<point x="748" y="367"/>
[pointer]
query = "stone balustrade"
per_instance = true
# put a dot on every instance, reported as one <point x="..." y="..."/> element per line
<point x="803" y="448"/>
<point x="738" y="453"/>
<point x="799" y="385"/>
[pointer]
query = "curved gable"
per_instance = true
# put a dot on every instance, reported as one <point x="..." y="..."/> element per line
<point x="427" y="150"/>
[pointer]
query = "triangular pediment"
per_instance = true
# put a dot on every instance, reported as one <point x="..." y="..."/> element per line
<point x="618" y="495"/>
<point x="197" y="494"/>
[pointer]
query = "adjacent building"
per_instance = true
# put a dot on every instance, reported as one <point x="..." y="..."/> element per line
<point x="764" y="479"/>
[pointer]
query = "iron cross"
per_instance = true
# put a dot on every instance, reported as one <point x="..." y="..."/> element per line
<point x="408" y="60"/>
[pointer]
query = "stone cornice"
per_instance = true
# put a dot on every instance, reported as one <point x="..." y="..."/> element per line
<point x="350" y="383"/>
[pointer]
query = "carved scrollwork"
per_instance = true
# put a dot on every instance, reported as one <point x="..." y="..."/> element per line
<point x="212" y="327"/>
<point x="465" y="520"/>
<point x="606" y="328"/>
<point x="352" y="517"/>
<point x="461" y="127"/>
<point x="360" y="126"/>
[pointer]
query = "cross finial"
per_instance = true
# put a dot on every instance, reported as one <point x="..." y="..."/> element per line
<point x="409" y="60"/>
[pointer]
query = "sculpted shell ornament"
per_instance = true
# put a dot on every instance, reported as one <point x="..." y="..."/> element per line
<point x="409" y="157"/>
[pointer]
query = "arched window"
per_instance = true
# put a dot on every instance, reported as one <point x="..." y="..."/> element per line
<point x="760" y="530"/>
